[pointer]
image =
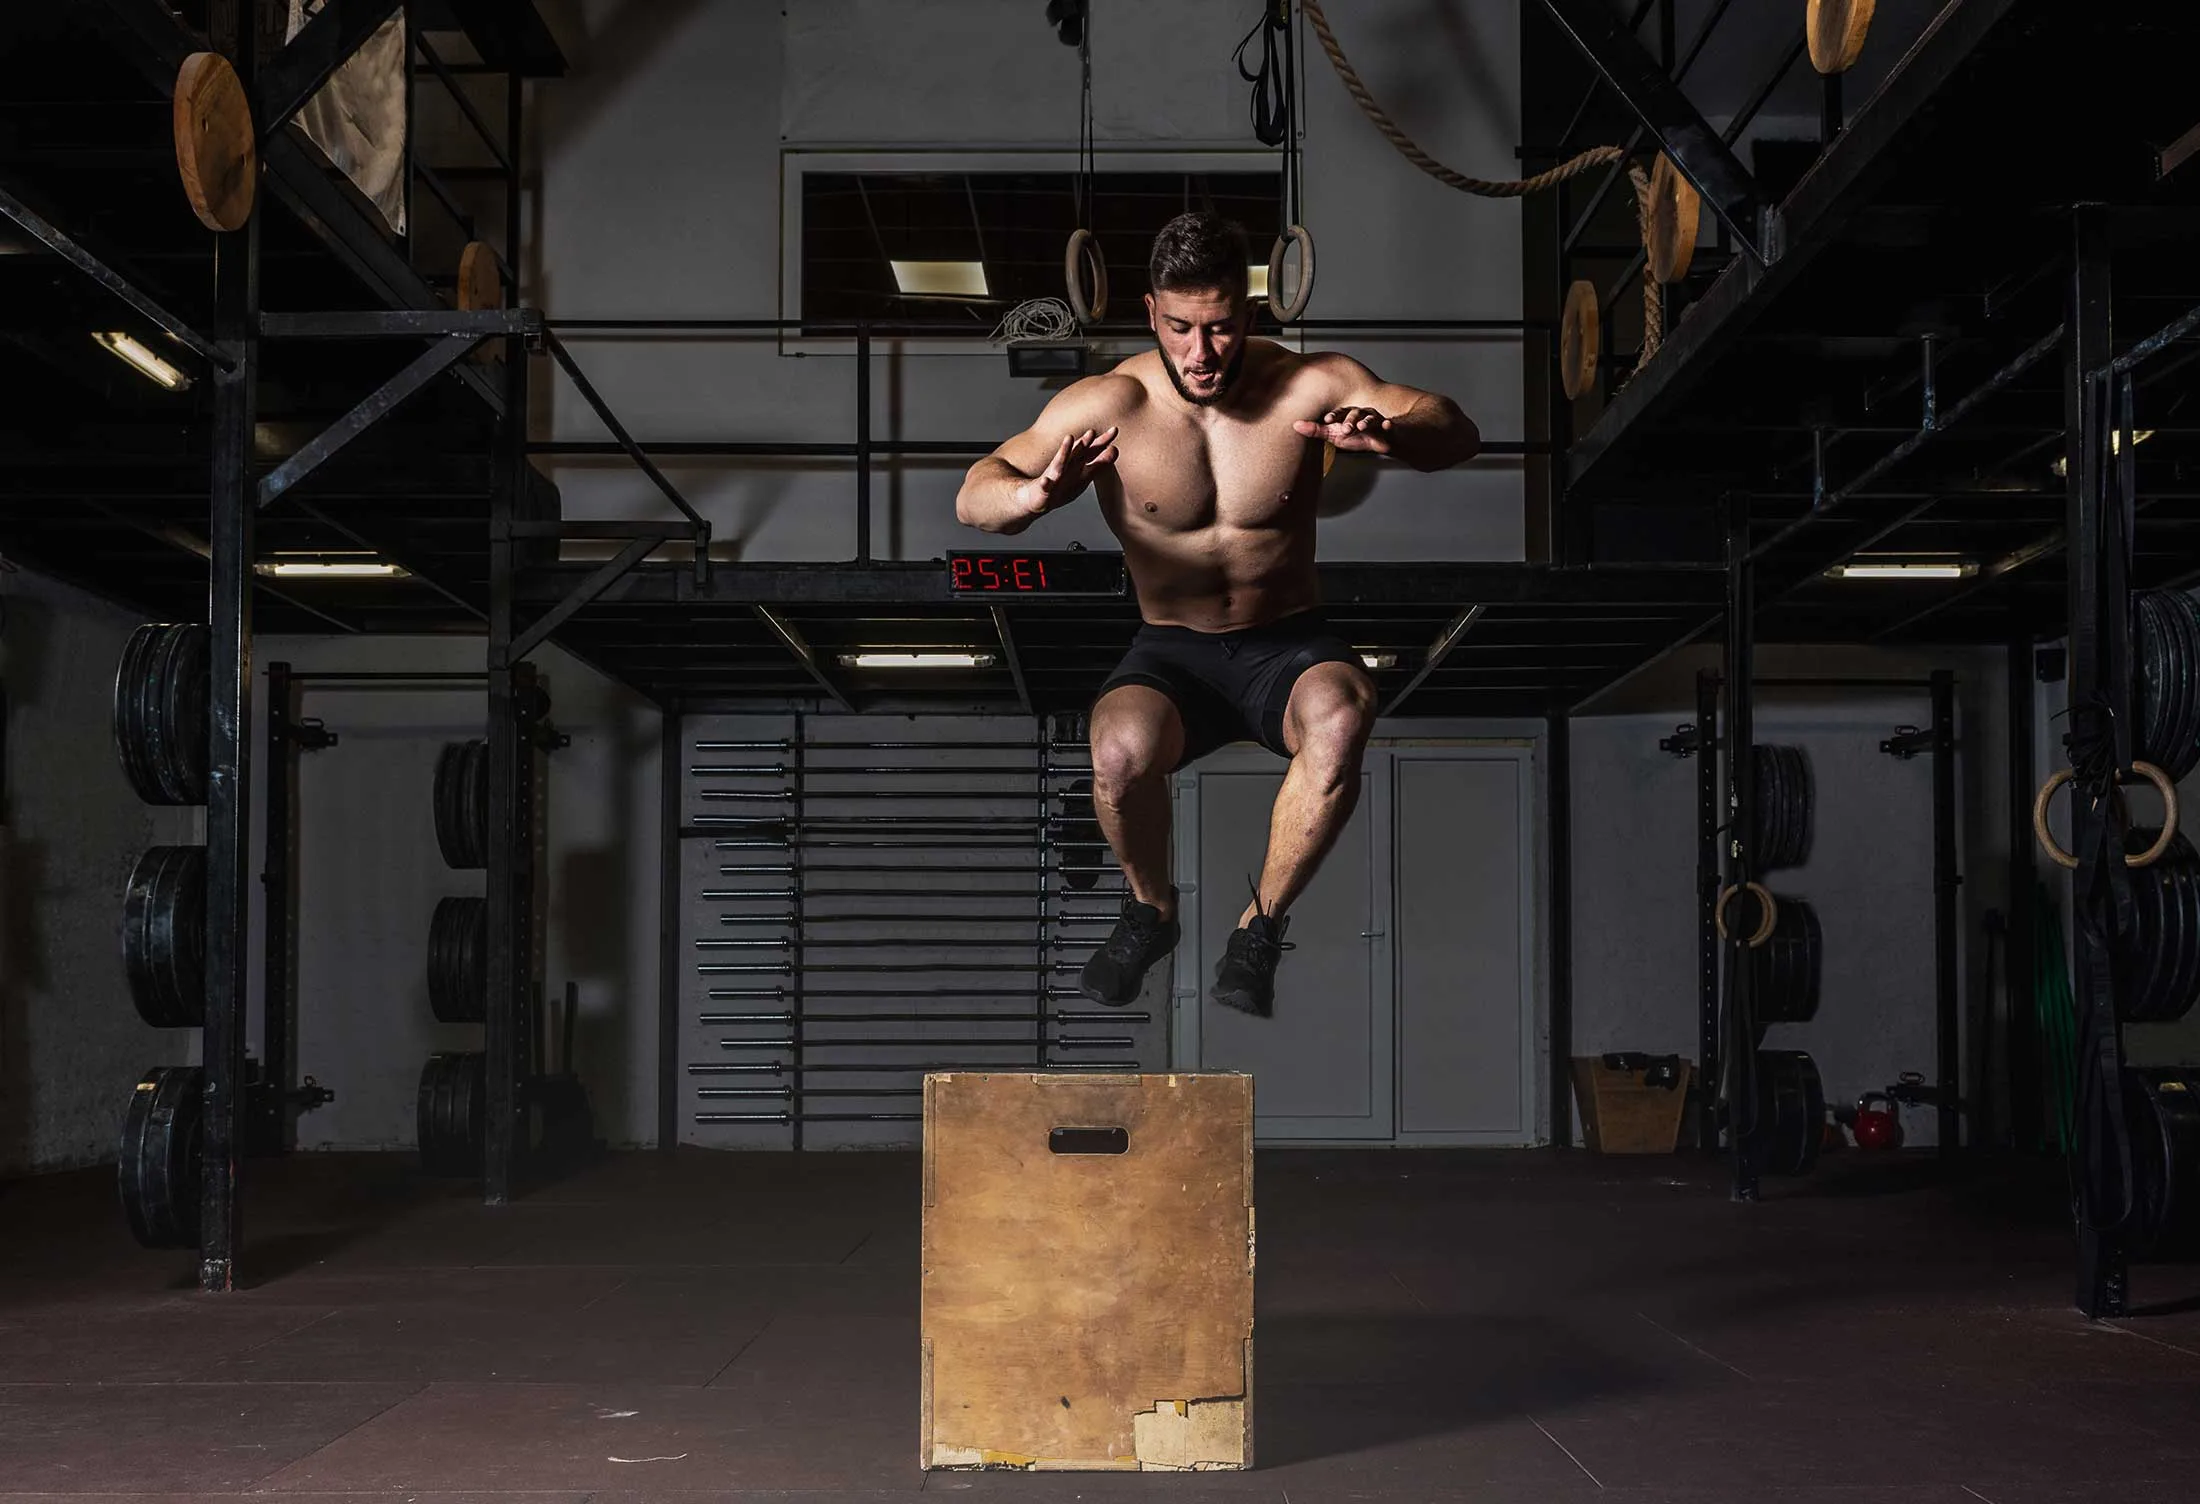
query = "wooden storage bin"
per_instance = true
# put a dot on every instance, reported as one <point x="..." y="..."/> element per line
<point x="1621" y="1115"/>
<point x="1088" y="1272"/>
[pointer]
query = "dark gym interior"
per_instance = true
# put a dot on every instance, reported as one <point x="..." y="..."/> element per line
<point x="550" y="878"/>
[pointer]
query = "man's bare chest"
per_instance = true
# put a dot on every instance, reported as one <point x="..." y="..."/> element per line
<point x="1184" y="478"/>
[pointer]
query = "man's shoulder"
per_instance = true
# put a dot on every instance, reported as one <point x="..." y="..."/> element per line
<point x="1112" y="393"/>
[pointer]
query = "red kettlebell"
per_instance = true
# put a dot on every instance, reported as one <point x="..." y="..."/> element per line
<point x="1878" y="1122"/>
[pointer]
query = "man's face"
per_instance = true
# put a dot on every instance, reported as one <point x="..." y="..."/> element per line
<point x="1201" y="335"/>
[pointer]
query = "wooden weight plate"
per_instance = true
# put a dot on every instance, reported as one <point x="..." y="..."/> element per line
<point x="215" y="153"/>
<point x="1674" y="207"/>
<point x="479" y="284"/>
<point x="1580" y="340"/>
<point x="157" y="1162"/>
<point x="1836" y="29"/>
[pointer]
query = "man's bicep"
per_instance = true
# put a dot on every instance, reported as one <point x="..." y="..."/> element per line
<point x="1354" y="385"/>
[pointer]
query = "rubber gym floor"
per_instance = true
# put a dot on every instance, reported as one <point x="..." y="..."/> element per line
<point x="1518" y="1327"/>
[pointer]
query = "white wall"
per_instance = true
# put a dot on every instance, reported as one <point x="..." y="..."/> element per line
<point x="72" y="1046"/>
<point x="1869" y="876"/>
<point x="661" y="191"/>
<point x="370" y="873"/>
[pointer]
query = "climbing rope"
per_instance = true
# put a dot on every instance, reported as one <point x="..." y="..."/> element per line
<point x="1653" y="298"/>
<point x="1572" y="167"/>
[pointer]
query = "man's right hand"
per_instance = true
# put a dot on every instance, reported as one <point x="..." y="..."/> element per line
<point x="1076" y="460"/>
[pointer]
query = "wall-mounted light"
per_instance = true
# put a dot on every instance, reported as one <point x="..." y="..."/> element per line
<point x="142" y="359"/>
<point x="326" y="567"/>
<point x="940" y="279"/>
<point x="1903" y="569"/>
<point x="1379" y="660"/>
<point x="890" y="658"/>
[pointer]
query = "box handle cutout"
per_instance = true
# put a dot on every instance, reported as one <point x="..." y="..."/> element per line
<point x="1089" y="1141"/>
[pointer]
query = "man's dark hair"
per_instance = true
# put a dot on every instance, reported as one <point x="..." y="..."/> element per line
<point x="1197" y="251"/>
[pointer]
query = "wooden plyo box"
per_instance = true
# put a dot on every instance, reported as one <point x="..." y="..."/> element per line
<point x="1620" y="1114"/>
<point x="1088" y="1272"/>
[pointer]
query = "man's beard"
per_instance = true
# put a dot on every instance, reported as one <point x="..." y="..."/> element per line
<point x="1222" y="387"/>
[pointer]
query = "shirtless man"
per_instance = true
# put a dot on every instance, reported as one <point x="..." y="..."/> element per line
<point x="1205" y="454"/>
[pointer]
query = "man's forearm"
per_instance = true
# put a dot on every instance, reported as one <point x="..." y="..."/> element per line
<point x="1433" y="434"/>
<point x="990" y="499"/>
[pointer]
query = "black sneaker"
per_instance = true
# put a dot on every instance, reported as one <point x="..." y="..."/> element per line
<point x="1118" y="968"/>
<point x="1245" y="977"/>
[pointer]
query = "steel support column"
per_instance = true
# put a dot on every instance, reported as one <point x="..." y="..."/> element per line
<point x="2020" y="1039"/>
<point x="229" y="719"/>
<point x="2099" y="679"/>
<point x="278" y="928"/>
<point x="1711" y="1053"/>
<point x="1558" y="781"/>
<point x="1740" y="1034"/>
<point x="671" y="771"/>
<point x="1947" y="926"/>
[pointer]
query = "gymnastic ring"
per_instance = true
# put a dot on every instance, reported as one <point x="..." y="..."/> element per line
<point x="1080" y="245"/>
<point x="1764" y="927"/>
<point x="2146" y="858"/>
<point x="1300" y="236"/>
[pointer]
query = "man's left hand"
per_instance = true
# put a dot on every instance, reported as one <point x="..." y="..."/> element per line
<point x="1359" y="429"/>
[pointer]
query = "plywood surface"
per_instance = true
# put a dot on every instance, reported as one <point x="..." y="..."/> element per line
<point x="1088" y="1310"/>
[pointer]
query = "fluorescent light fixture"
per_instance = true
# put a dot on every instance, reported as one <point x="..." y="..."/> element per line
<point x="2139" y="436"/>
<point x="1256" y="281"/>
<point x="148" y="364"/>
<point x="1904" y="569"/>
<point x="884" y="658"/>
<point x="1379" y="660"/>
<point x="940" y="279"/>
<point x="330" y="569"/>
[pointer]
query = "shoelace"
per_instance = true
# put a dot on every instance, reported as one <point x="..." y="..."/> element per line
<point x="1268" y="951"/>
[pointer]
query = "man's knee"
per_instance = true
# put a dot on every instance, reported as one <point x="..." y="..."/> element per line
<point x="1334" y="726"/>
<point x="1122" y="758"/>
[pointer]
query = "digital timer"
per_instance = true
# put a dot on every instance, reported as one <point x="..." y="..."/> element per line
<point x="1072" y="573"/>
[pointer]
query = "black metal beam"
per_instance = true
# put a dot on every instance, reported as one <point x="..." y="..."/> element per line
<point x="784" y="630"/>
<point x="1559" y="968"/>
<point x="610" y="420"/>
<point x="1011" y="658"/>
<point x="310" y="59"/>
<point x="402" y="323"/>
<point x="1830" y="194"/>
<point x="1947" y="923"/>
<point x="439" y="357"/>
<point x="1704" y="159"/>
<point x="918" y="582"/>
<point x="1438" y="651"/>
<point x="598" y="581"/>
<point x="73" y="251"/>
<point x="1739" y="1081"/>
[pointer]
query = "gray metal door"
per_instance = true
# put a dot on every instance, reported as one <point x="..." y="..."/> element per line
<point x="1322" y="1066"/>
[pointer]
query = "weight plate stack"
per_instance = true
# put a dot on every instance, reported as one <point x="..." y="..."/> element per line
<point x="2163" y="1104"/>
<point x="458" y="960"/>
<point x="1783" y="807"/>
<point x="164" y="936"/>
<point x="157" y="1162"/>
<point x="462" y="804"/>
<point x="1785" y="981"/>
<point x="454" y="1094"/>
<point x="2168" y="640"/>
<point x="160" y="708"/>
<point x="1791" y="1111"/>
<point x="2161" y="953"/>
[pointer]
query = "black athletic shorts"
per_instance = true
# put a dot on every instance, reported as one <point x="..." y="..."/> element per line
<point x="1231" y="686"/>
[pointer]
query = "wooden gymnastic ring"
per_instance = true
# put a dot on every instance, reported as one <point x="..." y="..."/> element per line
<point x="1764" y="927"/>
<point x="2146" y="858"/>
<point x="1580" y="340"/>
<point x="216" y="155"/>
<point x="1835" y="29"/>
<point x="1080" y="245"/>
<point x="480" y="286"/>
<point x="1675" y="207"/>
<point x="1297" y="235"/>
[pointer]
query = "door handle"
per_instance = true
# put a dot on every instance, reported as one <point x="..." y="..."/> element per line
<point x="1371" y="934"/>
